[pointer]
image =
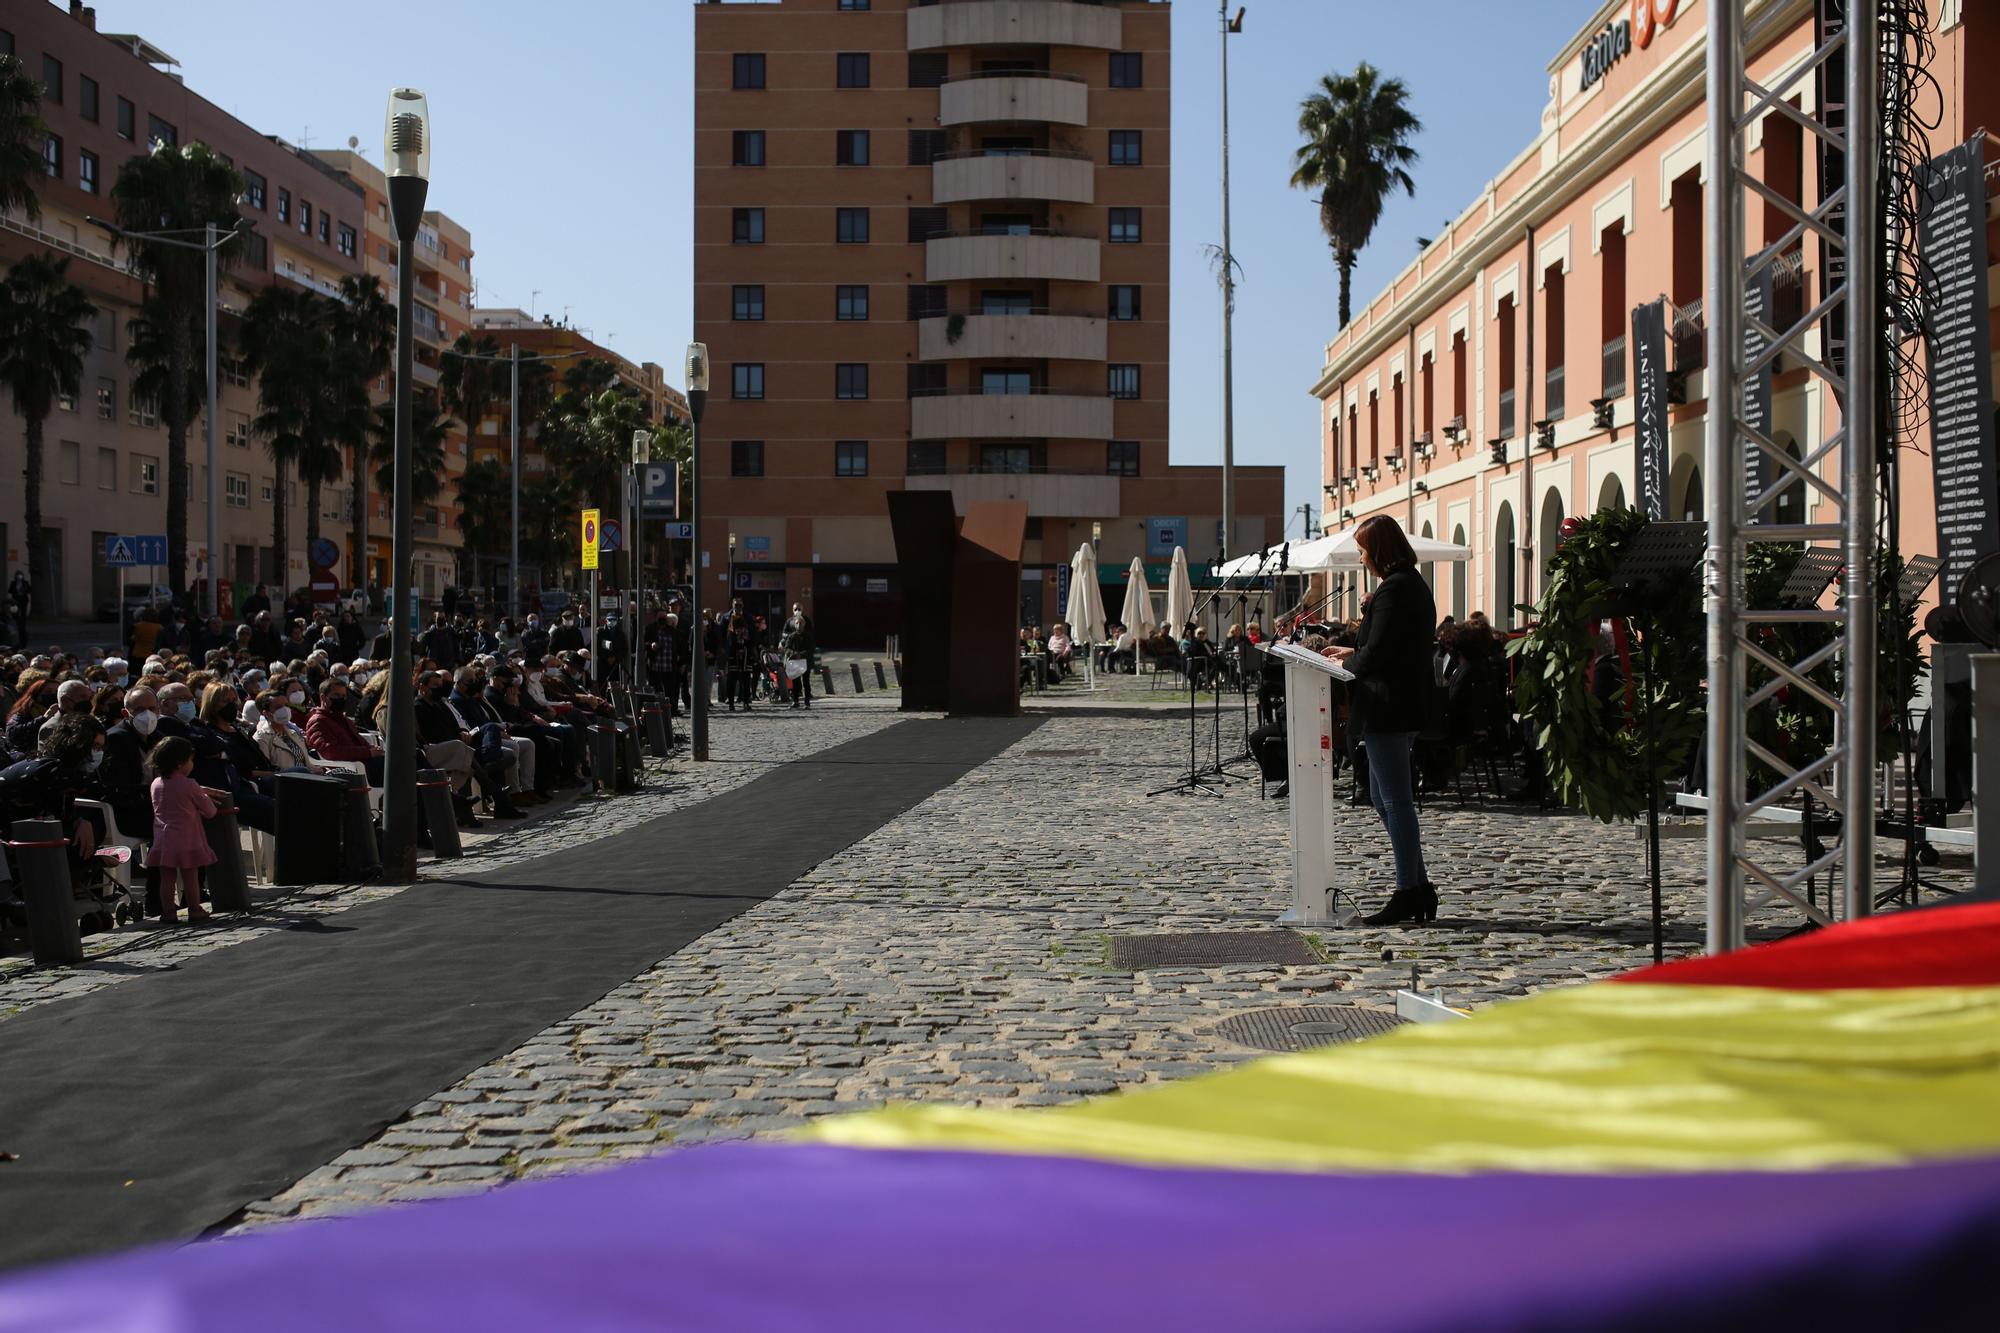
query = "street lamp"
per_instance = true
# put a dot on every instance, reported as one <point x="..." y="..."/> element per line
<point x="208" y="245"/>
<point x="406" y="151"/>
<point x="1228" y="259"/>
<point x="642" y="456"/>
<point x="697" y="392"/>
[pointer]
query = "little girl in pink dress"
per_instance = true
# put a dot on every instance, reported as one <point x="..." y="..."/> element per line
<point x="180" y="842"/>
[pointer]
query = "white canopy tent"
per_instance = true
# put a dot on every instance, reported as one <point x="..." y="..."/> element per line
<point x="1336" y="550"/>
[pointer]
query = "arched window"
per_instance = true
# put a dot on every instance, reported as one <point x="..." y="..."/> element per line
<point x="1612" y="497"/>
<point x="1790" y="506"/>
<point x="1549" y="531"/>
<point x="1691" y="499"/>
<point x="1503" y="565"/>
<point x="1458" y="576"/>
<point x="1429" y="568"/>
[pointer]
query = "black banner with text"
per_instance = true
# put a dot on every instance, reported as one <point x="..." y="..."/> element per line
<point x="1959" y="340"/>
<point x="1758" y="468"/>
<point x="1649" y="405"/>
<point x="1829" y="21"/>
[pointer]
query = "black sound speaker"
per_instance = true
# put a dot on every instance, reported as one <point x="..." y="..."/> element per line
<point x="312" y="807"/>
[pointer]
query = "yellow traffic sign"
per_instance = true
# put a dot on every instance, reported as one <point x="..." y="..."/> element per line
<point x="590" y="539"/>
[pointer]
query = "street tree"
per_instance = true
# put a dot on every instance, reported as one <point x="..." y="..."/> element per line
<point x="45" y="329"/>
<point x="23" y="139"/>
<point x="1356" y="153"/>
<point x="365" y="341"/>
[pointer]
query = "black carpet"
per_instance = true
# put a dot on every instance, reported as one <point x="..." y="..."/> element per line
<point x="156" y="1108"/>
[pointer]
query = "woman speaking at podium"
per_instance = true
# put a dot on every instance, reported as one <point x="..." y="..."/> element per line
<point x="1391" y="662"/>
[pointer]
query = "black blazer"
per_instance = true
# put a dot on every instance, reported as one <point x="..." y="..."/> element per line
<point x="1392" y="657"/>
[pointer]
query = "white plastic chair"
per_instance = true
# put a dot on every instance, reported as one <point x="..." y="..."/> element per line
<point x="113" y="835"/>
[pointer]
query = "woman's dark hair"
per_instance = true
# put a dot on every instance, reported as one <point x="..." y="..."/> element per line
<point x="169" y="754"/>
<point x="70" y="739"/>
<point x="33" y="700"/>
<point x="1388" y="549"/>
<point x="107" y="704"/>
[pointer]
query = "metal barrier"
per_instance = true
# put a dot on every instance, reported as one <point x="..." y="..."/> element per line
<point x="41" y="854"/>
<point x="227" y="887"/>
<point x="434" y="795"/>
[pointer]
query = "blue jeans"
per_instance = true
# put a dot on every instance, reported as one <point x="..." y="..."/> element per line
<point x="1389" y="788"/>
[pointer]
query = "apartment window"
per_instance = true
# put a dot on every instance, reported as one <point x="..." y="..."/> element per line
<point x="749" y="72"/>
<point x="850" y="148"/>
<point x="1425" y="414"/>
<point x="746" y="458"/>
<point x="127" y="113"/>
<point x="1374" y="428"/>
<point x="1125" y="148"/>
<point x="1554" y="398"/>
<point x="1128" y="69"/>
<point x="925" y="458"/>
<point x="6" y="42"/>
<point x="346" y="246"/>
<point x="746" y="226"/>
<point x="1458" y="377"/>
<point x="238" y="431"/>
<point x="1121" y="458"/>
<point x="86" y="97"/>
<point x="746" y="148"/>
<point x="145" y="474"/>
<point x="284" y="204"/>
<point x="1006" y="382"/>
<point x="851" y="69"/>
<point x="52" y="152"/>
<point x="69" y="463"/>
<point x="747" y="302"/>
<point x="850" y="458"/>
<point x="1007" y="458"/>
<point x="52" y="78"/>
<point x="1005" y="301"/>
<point x="1396" y="415"/>
<point x="305" y="218"/>
<point x="926" y="223"/>
<point x="142" y="409"/>
<point x="850" y="226"/>
<point x="325" y="227"/>
<point x="850" y="380"/>
<point x="1124" y="226"/>
<point x="107" y="400"/>
<point x="267" y="491"/>
<point x="1122" y="381"/>
<point x="928" y="69"/>
<point x="66" y="401"/>
<point x="852" y="6"/>
<point x="162" y="131"/>
<point x="1124" y="303"/>
<point x="927" y="146"/>
<point x="748" y="380"/>
<point x="850" y="302"/>
<point x="86" y="171"/>
<point x="253" y="190"/>
<point x="925" y="380"/>
<point x="107" y="468"/>
<point x="1505" y="339"/>
<point x="236" y="489"/>
<point x="925" y="301"/>
<point x="256" y="250"/>
<point x="1612" y="314"/>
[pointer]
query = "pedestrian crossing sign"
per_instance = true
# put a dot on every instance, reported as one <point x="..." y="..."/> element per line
<point x="590" y="537"/>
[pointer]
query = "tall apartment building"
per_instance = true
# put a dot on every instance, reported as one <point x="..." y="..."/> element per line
<point x="441" y="312"/>
<point x="931" y="251"/>
<point x="108" y="96"/>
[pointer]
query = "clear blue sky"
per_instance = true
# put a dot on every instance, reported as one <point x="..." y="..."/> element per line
<point x="563" y="143"/>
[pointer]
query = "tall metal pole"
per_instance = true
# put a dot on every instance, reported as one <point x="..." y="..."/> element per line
<point x="1723" y="479"/>
<point x="1228" y="316"/>
<point x="1859" y="416"/>
<point x="208" y="597"/>
<point x="514" y="477"/>
<point x="698" y="664"/>
<point x="399" y="833"/>
<point x="638" y="565"/>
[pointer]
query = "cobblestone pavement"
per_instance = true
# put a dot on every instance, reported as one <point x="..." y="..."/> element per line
<point x="962" y="953"/>
<point x="742" y="747"/>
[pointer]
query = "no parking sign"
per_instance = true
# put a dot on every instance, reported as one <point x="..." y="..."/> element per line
<point x="589" y="539"/>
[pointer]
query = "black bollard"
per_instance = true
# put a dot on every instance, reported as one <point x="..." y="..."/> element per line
<point x="633" y="755"/>
<point x="434" y="794"/>
<point x="604" y="756"/>
<point x="897" y="667"/>
<point x="227" y="888"/>
<point x="656" y="730"/>
<point x="855" y="667"/>
<point x="41" y="853"/>
<point x="881" y="681"/>
<point x="826" y="679"/>
<point x="360" y="853"/>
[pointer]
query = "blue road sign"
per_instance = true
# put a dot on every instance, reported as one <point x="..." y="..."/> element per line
<point x="324" y="553"/>
<point x="124" y="551"/>
<point x="610" y="536"/>
<point x="681" y="531"/>
<point x="660" y="490"/>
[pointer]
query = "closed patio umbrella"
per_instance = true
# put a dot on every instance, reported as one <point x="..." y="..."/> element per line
<point x="1086" y="607"/>
<point x="1138" y="612"/>
<point x="1180" y="593"/>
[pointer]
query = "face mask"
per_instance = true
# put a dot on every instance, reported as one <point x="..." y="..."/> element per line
<point x="184" y="710"/>
<point x="336" y="702"/>
<point x="120" y="680"/>
<point x="295" y="698"/>
<point x="144" y="722"/>
<point x="363" y="677"/>
<point x="535" y="676"/>
<point x="96" y="758"/>
<point x="280" y="716"/>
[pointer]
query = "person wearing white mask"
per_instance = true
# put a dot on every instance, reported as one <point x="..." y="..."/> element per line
<point x="123" y="775"/>
<point x="117" y="671"/>
<point x="279" y="737"/>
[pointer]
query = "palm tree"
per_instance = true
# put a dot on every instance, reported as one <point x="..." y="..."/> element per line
<point x="44" y="332"/>
<point x="303" y="402"/>
<point x="429" y="426"/>
<point x="365" y="332"/>
<point x="548" y="518"/>
<point x="485" y="508"/>
<point x="22" y="139"/>
<point x="1357" y="153"/>
<point x="470" y="380"/>
<point x="176" y="190"/>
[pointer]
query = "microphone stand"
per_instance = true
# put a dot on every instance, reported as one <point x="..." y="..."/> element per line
<point x="1215" y="600"/>
<point x="1196" y="781"/>
<point x="1246" y="649"/>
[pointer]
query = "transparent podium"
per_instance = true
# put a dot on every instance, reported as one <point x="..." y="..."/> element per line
<point x="1309" y="732"/>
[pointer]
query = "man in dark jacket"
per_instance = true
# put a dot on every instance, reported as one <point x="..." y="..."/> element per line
<point x="535" y="638"/>
<point x="612" y="650"/>
<point x="441" y="643"/>
<point x="566" y="637"/>
<point x="452" y="749"/>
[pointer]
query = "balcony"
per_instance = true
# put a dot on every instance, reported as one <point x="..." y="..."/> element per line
<point x="1614" y="367"/>
<point x="1011" y="416"/>
<point x="1690" y="337"/>
<point x="1068" y="177"/>
<point x="1031" y="334"/>
<point x="969" y="99"/>
<point x="971" y="256"/>
<point x="1506" y="414"/>
<point x="1047" y="494"/>
<point x="310" y="283"/>
<point x="423" y="374"/>
<point x="1015" y="23"/>
<point x="1553" y="393"/>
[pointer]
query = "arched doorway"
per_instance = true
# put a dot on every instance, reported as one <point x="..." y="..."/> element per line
<point x="1503" y="565"/>
<point x="1458" y="576"/>
<point x="1430" y="567"/>
<point x="1790" y="506"/>
<point x="1549" y="532"/>
<point x="1612" y="497"/>
<point x="1691" y="510"/>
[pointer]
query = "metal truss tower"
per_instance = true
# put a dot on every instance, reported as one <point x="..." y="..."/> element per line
<point x="1741" y="346"/>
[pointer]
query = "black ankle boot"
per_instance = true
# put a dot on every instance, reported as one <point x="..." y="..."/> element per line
<point x="1417" y="905"/>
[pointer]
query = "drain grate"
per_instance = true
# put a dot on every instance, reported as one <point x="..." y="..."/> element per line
<point x="1214" y="948"/>
<point x="1302" y="1027"/>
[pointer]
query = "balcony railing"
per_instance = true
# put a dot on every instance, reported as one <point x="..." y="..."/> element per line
<point x="1614" y="367"/>
<point x="1026" y="173"/>
<point x="1788" y="289"/>
<point x="1013" y="23"/>
<point x="1552" y="394"/>
<point x="1071" y="335"/>
<point x="1690" y="335"/>
<point x="996" y="96"/>
<point x="1506" y="414"/>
